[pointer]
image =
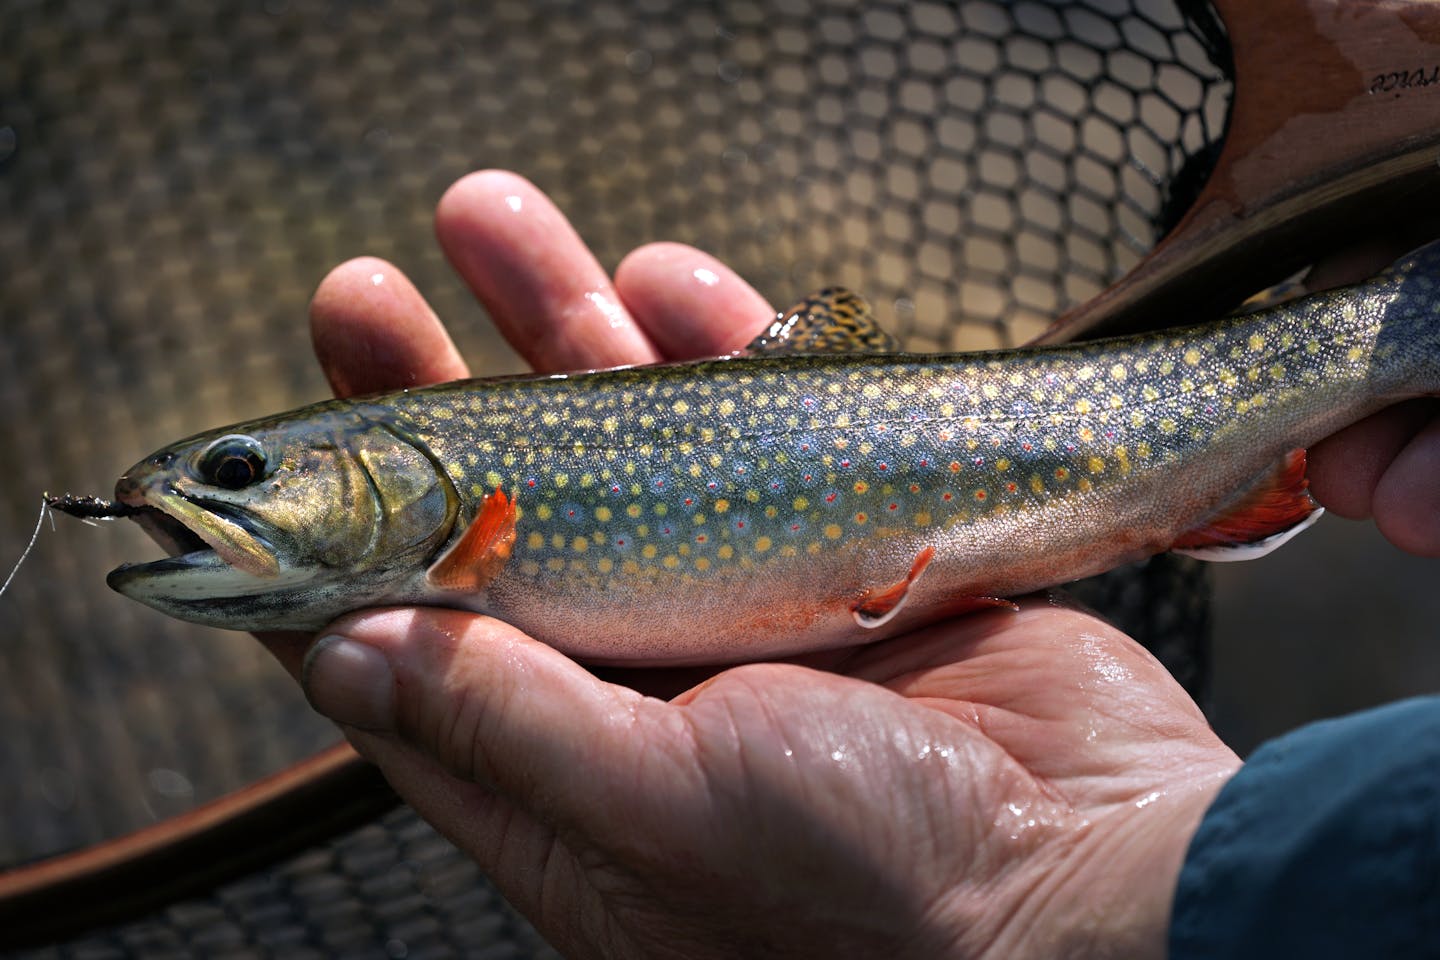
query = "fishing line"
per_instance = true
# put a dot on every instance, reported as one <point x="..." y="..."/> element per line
<point x="34" y="536"/>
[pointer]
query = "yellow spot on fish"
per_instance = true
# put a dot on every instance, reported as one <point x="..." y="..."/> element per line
<point x="555" y="564"/>
<point x="633" y="510"/>
<point x="726" y="407"/>
<point x="580" y="544"/>
<point x="1084" y="485"/>
<point x="725" y="552"/>
<point x="605" y="565"/>
<point x="1096" y="465"/>
<point x="1118" y="371"/>
<point x="535" y="541"/>
<point x="1036" y="484"/>
<point x="1142" y="450"/>
<point x="702" y="563"/>
<point x="602" y="514"/>
<point x="680" y="407"/>
<point x="722" y="505"/>
<point x="1256" y="341"/>
<point x="1082" y="406"/>
<point x="1062" y="474"/>
<point x="1167" y="425"/>
<point x="670" y="562"/>
<point x="1192" y="357"/>
<point x="544" y="512"/>
<point x="833" y="531"/>
<point x="648" y="551"/>
<point x="801" y="503"/>
<point x="762" y="544"/>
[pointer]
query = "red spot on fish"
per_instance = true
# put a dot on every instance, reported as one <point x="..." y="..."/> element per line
<point x="1011" y="488"/>
<point x="689" y="501"/>
<point x="883" y="466"/>
<point x="861" y="518"/>
<point x="809" y="477"/>
<point x="830" y="497"/>
<point x="1061" y="473"/>
<point x="947" y="496"/>
<point x="954" y="466"/>
<point x="980" y="494"/>
<point x="924" y="463"/>
<point x="615" y="488"/>
<point x="914" y="488"/>
<point x="530" y="482"/>
<point x="893" y="507"/>
<point x="701" y="538"/>
<point x="845" y="463"/>
<point x="1026" y="447"/>
<point x="660" y="483"/>
<point x="979" y="461"/>
<point x="739" y="524"/>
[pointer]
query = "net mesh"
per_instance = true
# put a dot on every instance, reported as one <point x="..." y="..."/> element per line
<point x="177" y="177"/>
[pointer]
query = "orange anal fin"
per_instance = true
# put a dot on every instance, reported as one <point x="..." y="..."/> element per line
<point x="1274" y="509"/>
<point x="878" y="607"/>
<point x="480" y="553"/>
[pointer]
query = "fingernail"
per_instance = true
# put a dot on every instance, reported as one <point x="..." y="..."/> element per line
<point x="351" y="683"/>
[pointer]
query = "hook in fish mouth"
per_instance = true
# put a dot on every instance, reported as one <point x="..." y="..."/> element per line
<point x="185" y="528"/>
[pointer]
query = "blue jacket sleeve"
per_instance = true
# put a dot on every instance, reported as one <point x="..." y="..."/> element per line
<point x="1325" y="844"/>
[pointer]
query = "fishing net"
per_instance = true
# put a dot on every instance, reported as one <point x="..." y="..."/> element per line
<point x="176" y="178"/>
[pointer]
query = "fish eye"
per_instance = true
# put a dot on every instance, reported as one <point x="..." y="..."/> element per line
<point x="233" y="461"/>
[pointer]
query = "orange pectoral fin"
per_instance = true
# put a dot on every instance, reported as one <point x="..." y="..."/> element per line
<point x="1272" y="511"/>
<point x="480" y="553"/>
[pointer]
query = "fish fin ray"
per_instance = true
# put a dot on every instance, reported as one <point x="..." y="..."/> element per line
<point x="878" y="607"/>
<point x="835" y="320"/>
<point x="1274" y="509"/>
<point x="482" y="550"/>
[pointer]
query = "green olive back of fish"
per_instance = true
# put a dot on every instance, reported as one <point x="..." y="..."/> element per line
<point x="782" y="502"/>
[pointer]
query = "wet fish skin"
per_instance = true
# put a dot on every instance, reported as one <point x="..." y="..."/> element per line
<point x="750" y="507"/>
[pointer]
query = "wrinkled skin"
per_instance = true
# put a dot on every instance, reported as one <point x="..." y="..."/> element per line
<point x="1004" y="785"/>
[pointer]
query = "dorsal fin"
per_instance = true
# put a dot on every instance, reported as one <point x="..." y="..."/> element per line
<point x="834" y="320"/>
<point x="482" y="549"/>
<point x="1274" y="509"/>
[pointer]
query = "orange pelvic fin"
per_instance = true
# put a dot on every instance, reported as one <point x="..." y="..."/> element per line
<point x="878" y="607"/>
<point x="1274" y="509"/>
<point x="480" y="553"/>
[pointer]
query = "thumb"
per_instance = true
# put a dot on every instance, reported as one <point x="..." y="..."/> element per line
<point x="488" y="704"/>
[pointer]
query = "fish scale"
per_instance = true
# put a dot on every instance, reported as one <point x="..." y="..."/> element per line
<point x="785" y="501"/>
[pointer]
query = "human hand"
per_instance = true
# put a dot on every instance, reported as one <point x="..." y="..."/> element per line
<point x="1009" y="784"/>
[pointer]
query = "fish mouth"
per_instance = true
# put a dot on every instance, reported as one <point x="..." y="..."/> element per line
<point x="210" y="545"/>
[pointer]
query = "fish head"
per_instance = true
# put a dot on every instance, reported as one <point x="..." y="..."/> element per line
<point x="284" y="523"/>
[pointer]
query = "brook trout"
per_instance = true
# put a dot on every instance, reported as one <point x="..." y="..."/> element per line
<point x="801" y="496"/>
